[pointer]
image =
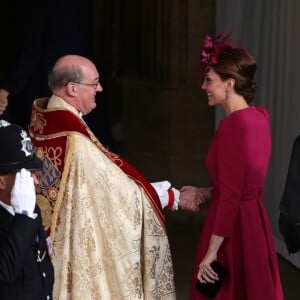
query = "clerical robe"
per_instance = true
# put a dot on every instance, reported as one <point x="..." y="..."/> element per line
<point x="105" y="219"/>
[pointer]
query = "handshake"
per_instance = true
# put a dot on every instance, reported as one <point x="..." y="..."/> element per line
<point x="188" y="198"/>
<point x="191" y="197"/>
<point x="23" y="197"/>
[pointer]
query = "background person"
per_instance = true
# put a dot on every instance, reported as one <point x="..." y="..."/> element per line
<point x="26" y="271"/>
<point x="236" y="232"/>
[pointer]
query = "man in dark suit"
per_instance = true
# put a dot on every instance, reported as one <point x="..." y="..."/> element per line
<point x="26" y="271"/>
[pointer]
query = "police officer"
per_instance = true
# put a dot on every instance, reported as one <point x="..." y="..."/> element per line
<point x="26" y="271"/>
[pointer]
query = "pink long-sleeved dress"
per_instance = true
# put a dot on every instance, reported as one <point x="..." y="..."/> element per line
<point x="237" y="161"/>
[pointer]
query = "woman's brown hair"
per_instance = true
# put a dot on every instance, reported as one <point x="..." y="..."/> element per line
<point x="230" y="62"/>
<point x="238" y="64"/>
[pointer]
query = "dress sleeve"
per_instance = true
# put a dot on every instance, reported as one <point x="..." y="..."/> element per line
<point x="231" y="157"/>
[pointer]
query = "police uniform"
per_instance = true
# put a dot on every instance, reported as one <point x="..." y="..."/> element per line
<point x="26" y="271"/>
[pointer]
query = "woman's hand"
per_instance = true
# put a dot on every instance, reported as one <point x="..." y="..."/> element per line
<point x="191" y="197"/>
<point x="206" y="273"/>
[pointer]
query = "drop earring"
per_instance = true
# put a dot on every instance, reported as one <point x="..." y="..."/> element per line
<point x="227" y="93"/>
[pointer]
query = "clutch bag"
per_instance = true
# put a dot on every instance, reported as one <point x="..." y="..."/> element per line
<point x="208" y="289"/>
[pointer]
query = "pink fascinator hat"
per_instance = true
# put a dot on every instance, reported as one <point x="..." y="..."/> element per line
<point x="211" y="49"/>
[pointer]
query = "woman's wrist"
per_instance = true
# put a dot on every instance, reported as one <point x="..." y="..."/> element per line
<point x="206" y="192"/>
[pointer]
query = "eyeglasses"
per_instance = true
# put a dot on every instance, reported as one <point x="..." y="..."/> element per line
<point x="94" y="85"/>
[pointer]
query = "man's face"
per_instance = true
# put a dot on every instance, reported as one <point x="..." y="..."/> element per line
<point x="9" y="180"/>
<point x="87" y="90"/>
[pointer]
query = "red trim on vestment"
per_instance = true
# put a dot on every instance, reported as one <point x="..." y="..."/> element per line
<point x="171" y="199"/>
<point x="48" y="123"/>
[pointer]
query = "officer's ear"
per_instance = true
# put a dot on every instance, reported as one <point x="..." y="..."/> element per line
<point x="2" y="182"/>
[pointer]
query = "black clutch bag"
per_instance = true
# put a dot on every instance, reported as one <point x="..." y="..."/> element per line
<point x="210" y="290"/>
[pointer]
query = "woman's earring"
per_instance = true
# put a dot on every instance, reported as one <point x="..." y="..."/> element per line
<point x="227" y="93"/>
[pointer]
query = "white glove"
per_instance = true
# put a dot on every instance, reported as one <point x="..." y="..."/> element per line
<point x="176" y="198"/>
<point x="161" y="188"/>
<point x="23" y="197"/>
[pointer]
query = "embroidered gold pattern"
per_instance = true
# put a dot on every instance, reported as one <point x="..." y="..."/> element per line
<point x="54" y="154"/>
<point x="86" y="239"/>
<point x="108" y="242"/>
<point x="46" y="210"/>
<point x="38" y="122"/>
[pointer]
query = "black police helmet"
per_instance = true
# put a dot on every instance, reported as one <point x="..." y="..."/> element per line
<point x="16" y="149"/>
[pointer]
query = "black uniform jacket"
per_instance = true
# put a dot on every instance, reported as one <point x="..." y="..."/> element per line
<point x="26" y="271"/>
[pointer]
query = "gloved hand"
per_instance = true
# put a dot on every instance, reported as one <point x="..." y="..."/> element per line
<point x="176" y="198"/>
<point x="23" y="197"/>
<point x="162" y="187"/>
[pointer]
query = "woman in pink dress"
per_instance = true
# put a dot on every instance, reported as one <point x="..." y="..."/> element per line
<point x="237" y="231"/>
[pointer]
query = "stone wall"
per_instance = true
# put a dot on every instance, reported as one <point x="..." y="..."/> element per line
<point x="151" y="55"/>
